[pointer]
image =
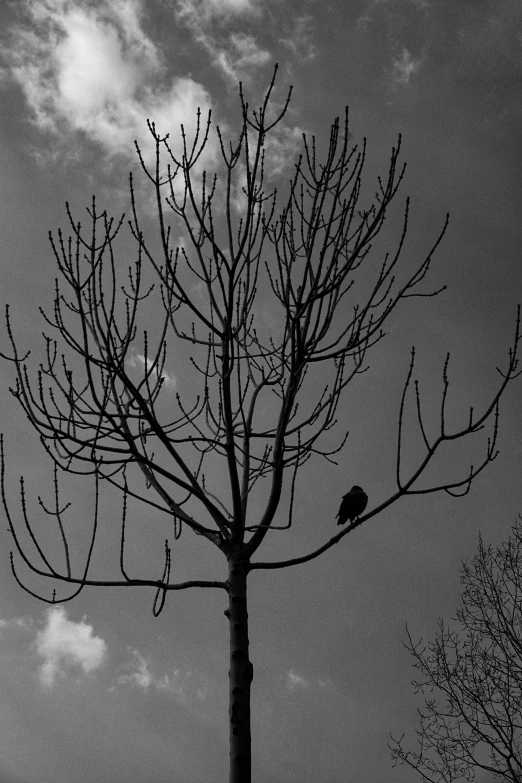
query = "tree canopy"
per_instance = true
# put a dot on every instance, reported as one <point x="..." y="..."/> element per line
<point x="474" y="720"/>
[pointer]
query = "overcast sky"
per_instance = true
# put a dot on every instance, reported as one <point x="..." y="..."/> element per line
<point x="97" y="689"/>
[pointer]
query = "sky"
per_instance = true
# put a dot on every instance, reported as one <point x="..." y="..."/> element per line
<point x="99" y="689"/>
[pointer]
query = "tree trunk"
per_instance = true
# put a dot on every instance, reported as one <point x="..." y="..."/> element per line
<point x="240" y="674"/>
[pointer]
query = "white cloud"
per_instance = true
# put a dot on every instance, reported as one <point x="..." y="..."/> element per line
<point x="404" y="67"/>
<point x="237" y="55"/>
<point x="282" y="147"/>
<point x="248" y="52"/>
<point x="206" y="9"/>
<point x="64" y="642"/>
<point x="180" y="685"/>
<point x="92" y="69"/>
<point x="324" y="683"/>
<point x="296" y="681"/>
<point x="26" y="623"/>
<point x="244" y="54"/>
<point x="138" y="360"/>
<point x="177" y="683"/>
<point x="300" y="42"/>
<point x="140" y="677"/>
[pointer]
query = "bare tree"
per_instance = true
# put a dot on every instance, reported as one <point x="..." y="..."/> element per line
<point x="253" y="418"/>
<point x="478" y="674"/>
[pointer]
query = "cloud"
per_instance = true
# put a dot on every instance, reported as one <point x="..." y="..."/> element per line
<point x="178" y="684"/>
<point x="236" y="54"/>
<point x="407" y="27"/>
<point x="205" y="10"/>
<point x="324" y="683"/>
<point x="140" y="677"/>
<point x="296" y="681"/>
<point x="64" y="642"/>
<point x="139" y="360"/>
<point x="281" y="147"/>
<point x="91" y="69"/>
<point x="88" y="71"/>
<point x="404" y="67"/>
<point x="25" y="623"/>
<point x="244" y="54"/>
<point x="300" y="42"/>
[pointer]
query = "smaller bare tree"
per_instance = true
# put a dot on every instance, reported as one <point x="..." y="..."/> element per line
<point x="478" y="673"/>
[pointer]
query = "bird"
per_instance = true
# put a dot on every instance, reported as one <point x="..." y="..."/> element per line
<point x="352" y="505"/>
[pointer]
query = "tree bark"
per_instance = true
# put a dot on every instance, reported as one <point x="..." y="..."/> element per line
<point x="241" y="672"/>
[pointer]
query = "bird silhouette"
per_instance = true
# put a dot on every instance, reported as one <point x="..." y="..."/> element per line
<point x="352" y="505"/>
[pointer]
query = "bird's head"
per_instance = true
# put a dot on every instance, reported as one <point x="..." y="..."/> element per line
<point x="355" y="488"/>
